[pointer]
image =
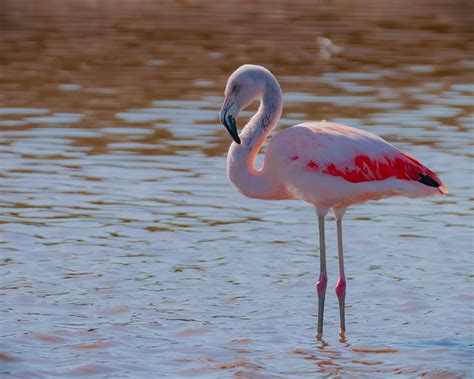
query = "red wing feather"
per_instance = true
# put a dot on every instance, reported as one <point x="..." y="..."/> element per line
<point x="401" y="166"/>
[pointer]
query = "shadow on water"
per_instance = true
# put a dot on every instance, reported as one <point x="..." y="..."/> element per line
<point x="124" y="251"/>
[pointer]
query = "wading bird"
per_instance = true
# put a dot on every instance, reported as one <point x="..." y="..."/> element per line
<point x="328" y="165"/>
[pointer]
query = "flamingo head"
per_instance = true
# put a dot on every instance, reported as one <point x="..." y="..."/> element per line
<point x="243" y="86"/>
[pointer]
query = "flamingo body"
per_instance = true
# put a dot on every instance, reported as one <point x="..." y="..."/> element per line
<point x="328" y="165"/>
<point x="334" y="166"/>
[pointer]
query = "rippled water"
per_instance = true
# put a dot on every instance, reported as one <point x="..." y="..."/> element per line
<point x="125" y="252"/>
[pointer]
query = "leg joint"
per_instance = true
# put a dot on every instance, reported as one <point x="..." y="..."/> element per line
<point x="341" y="287"/>
<point x="322" y="284"/>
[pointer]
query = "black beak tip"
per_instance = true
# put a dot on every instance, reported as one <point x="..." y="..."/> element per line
<point x="230" y="125"/>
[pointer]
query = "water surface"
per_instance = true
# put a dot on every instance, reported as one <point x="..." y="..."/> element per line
<point x="125" y="252"/>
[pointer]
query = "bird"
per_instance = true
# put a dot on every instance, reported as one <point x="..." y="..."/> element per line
<point x="327" y="48"/>
<point x="328" y="165"/>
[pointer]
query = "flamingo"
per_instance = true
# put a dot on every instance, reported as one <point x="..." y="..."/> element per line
<point x="327" y="165"/>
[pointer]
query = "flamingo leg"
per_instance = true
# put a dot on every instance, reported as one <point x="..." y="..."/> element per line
<point x="341" y="284"/>
<point x="323" y="278"/>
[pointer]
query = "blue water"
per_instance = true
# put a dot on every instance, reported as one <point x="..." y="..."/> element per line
<point x="124" y="250"/>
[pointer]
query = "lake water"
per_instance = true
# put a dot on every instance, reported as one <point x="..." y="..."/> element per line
<point x="124" y="250"/>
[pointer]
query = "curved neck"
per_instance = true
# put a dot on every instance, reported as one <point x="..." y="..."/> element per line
<point x="252" y="182"/>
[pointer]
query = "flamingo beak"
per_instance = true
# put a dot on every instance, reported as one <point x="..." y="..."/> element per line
<point x="229" y="123"/>
<point x="228" y="115"/>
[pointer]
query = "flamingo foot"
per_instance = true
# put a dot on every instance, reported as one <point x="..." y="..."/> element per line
<point x="342" y="336"/>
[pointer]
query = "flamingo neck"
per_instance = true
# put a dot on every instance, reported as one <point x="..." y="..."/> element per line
<point x="251" y="181"/>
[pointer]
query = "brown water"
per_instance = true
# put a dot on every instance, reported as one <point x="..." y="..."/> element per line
<point x="125" y="252"/>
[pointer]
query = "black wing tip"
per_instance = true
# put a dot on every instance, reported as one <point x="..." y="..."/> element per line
<point x="428" y="180"/>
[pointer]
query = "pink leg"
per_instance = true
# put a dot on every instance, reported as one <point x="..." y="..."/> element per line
<point x="341" y="295"/>
<point x="321" y="289"/>
<point x="323" y="278"/>
<point x="341" y="284"/>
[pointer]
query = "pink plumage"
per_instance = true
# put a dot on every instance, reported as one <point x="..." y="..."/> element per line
<point x="328" y="165"/>
<point x="333" y="166"/>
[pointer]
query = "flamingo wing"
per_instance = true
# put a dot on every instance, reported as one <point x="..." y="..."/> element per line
<point x="356" y="155"/>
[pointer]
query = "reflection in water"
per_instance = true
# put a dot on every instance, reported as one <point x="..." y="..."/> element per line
<point x="124" y="250"/>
